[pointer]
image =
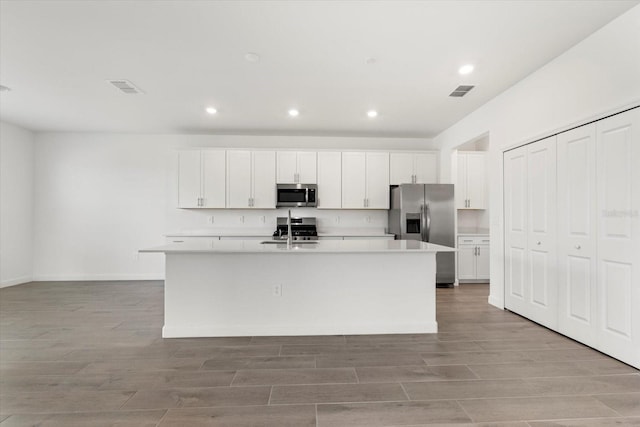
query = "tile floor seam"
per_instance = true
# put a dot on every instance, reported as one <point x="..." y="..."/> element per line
<point x="405" y="392"/>
<point x="355" y="372"/>
<point x="162" y="417"/>
<point x="605" y="404"/>
<point x="344" y="402"/>
<point x="465" y="411"/>
<point x="235" y="374"/>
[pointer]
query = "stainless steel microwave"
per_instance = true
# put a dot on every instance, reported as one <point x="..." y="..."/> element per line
<point x="297" y="195"/>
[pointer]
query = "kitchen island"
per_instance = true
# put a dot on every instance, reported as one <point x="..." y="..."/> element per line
<point x="335" y="287"/>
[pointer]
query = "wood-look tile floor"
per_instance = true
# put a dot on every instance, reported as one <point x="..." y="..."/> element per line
<point x="90" y="354"/>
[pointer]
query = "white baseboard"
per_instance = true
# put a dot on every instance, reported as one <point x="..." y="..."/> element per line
<point x="203" y="330"/>
<point x="95" y="277"/>
<point x="496" y="302"/>
<point x="15" y="281"/>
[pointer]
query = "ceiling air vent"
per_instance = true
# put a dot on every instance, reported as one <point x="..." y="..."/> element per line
<point x="125" y="86"/>
<point x="461" y="91"/>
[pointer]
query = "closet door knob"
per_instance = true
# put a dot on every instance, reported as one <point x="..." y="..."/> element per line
<point x="578" y="247"/>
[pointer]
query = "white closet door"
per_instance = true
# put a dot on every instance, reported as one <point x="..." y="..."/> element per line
<point x="577" y="234"/>
<point x="618" y="207"/>
<point x="542" y="294"/>
<point x="515" y="217"/>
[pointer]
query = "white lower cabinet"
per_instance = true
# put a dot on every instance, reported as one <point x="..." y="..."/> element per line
<point x="592" y="271"/>
<point x="473" y="258"/>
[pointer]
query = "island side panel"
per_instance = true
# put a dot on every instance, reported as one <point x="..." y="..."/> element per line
<point x="218" y="294"/>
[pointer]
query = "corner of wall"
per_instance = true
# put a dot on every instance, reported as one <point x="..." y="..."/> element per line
<point x="16" y="204"/>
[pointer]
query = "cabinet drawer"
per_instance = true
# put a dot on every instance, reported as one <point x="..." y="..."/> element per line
<point x="473" y="240"/>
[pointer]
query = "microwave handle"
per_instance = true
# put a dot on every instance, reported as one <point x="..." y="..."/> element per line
<point x="306" y="196"/>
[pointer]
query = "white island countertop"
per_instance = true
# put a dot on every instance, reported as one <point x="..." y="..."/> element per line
<point x="320" y="246"/>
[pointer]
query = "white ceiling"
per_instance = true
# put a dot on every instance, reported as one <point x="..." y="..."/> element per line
<point x="56" y="56"/>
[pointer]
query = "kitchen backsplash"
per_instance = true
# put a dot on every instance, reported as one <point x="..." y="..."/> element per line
<point x="252" y="219"/>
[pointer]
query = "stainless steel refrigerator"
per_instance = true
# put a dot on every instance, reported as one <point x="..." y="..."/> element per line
<point x="426" y="212"/>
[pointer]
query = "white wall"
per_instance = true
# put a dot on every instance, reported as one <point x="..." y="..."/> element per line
<point x="16" y="204"/>
<point x="101" y="197"/>
<point x="597" y="76"/>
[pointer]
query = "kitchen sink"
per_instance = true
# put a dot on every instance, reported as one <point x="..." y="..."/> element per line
<point x="293" y="243"/>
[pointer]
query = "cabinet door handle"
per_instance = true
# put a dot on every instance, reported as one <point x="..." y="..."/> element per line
<point x="478" y="250"/>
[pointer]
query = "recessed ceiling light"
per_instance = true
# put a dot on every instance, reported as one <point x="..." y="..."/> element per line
<point x="211" y="110"/>
<point x="372" y="113"/>
<point x="251" y="57"/>
<point x="4" y="89"/>
<point x="294" y="113"/>
<point x="466" y="69"/>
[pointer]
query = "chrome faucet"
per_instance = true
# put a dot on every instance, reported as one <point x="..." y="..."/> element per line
<point x="289" y="229"/>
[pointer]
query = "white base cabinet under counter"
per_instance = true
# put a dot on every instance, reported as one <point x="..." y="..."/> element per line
<point x="237" y="288"/>
<point x="473" y="258"/>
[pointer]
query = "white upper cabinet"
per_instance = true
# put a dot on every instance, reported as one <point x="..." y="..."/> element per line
<point x="295" y="167"/>
<point x="201" y="179"/>
<point x="471" y="187"/>
<point x="365" y="180"/>
<point x="329" y="180"/>
<point x="251" y="179"/>
<point x="413" y="168"/>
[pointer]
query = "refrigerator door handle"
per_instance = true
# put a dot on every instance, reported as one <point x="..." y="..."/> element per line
<point x="423" y="223"/>
<point x="428" y="221"/>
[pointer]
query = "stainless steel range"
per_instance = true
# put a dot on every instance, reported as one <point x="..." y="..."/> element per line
<point x="302" y="228"/>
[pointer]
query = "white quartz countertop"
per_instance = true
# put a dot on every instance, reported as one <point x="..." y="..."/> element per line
<point x="321" y="246"/>
<point x="473" y="231"/>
